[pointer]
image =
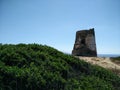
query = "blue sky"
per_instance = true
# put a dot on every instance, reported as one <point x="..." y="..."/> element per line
<point x="55" y="22"/>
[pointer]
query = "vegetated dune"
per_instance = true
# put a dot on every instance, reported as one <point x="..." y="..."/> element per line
<point x="105" y="62"/>
<point x="40" y="67"/>
<point x="115" y="60"/>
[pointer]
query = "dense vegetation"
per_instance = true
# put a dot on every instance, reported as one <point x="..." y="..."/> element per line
<point x="38" y="67"/>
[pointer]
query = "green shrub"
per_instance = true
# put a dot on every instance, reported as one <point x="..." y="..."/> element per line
<point x="40" y="67"/>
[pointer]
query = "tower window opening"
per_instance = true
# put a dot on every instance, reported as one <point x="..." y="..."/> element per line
<point x="83" y="41"/>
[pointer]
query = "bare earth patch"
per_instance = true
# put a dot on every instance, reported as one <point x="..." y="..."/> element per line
<point x="103" y="62"/>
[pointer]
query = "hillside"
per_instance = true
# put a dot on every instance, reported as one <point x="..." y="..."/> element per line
<point x="38" y="67"/>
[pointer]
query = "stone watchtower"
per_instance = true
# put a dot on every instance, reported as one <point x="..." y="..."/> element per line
<point x="85" y="43"/>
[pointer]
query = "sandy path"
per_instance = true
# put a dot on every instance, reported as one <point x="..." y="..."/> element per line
<point x="103" y="62"/>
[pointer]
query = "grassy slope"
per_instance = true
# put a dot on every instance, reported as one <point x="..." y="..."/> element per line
<point x="38" y="67"/>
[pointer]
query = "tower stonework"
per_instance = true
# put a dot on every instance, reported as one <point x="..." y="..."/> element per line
<point x="85" y="44"/>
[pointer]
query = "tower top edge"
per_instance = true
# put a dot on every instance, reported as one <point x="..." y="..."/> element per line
<point x="85" y="30"/>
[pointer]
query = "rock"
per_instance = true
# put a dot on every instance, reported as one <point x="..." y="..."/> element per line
<point x="85" y="44"/>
